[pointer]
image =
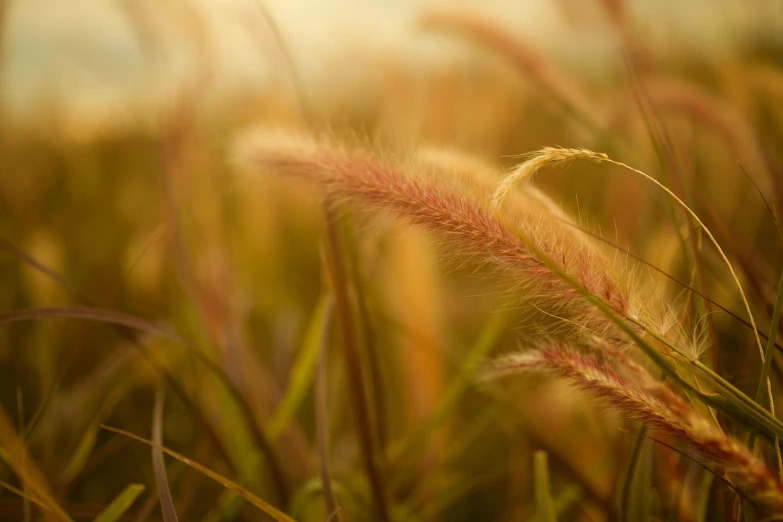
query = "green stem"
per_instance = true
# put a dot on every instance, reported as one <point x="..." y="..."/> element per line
<point x="773" y="328"/>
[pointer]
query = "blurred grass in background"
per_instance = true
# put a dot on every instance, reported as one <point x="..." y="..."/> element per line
<point x="118" y="193"/>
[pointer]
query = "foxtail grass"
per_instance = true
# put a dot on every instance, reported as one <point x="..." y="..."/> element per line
<point x="561" y="274"/>
<point x="656" y="405"/>
<point x="457" y="212"/>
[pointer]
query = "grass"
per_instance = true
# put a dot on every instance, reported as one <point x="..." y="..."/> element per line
<point x="316" y="308"/>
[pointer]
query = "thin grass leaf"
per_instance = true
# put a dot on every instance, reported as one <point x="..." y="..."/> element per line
<point x="702" y="503"/>
<point x="334" y="515"/>
<point x="126" y="320"/>
<point x="764" y="378"/>
<point x="563" y="503"/>
<point x="24" y="495"/>
<point x="262" y="505"/>
<point x="416" y="444"/>
<point x="567" y="499"/>
<point x="544" y="504"/>
<point x="630" y="473"/>
<point x="303" y="369"/>
<point x="662" y="143"/>
<point x="766" y="203"/>
<point x="641" y="491"/>
<point x="127" y="327"/>
<point x="759" y="414"/>
<point x="101" y="315"/>
<point x="457" y="448"/>
<point x="729" y="399"/>
<point x="158" y="465"/>
<point x="304" y="495"/>
<point x="122" y="323"/>
<point x="83" y="450"/>
<point x="550" y="155"/>
<point x="698" y="462"/>
<point x="36" y="265"/>
<point x="322" y="419"/>
<point x="353" y="366"/>
<point x="666" y="274"/>
<point x="369" y="345"/>
<point x="13" y="451"/>
<point x="176" y="167"/>
<point x="120" y="504"/>
<point x="27" y="515"/>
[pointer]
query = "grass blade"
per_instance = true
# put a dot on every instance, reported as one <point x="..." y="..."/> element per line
<point x="24" y="495"/>
<point x="354" y="366"/>
<point x="544" y="503"/>
<point x="625" y="492"/>
<point x="368" y="338"/>
<point x="28" y="515"/>
<point x="642" y="484"/>
<point x="702" y="503"/>
<point x="322" y="422"/>
<point x="158" y="465"/>
<point x="303" y="370"/>
<point x="120" y="504"/>
<point x="262" y="505"/>
<point x="768" y="353"/>
<point x="13" y="451"/>
<point x="413" y="446"/>
<point x="89" y="313"/>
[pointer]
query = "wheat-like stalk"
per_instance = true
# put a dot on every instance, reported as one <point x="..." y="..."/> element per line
<point x="643" y="398"/>
<point x="457" y="211"/>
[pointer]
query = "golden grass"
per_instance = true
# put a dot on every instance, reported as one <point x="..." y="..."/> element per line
<point x="327" y="283"/>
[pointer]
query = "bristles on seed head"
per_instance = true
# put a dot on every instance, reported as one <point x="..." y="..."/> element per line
<point x="548" y="156"/>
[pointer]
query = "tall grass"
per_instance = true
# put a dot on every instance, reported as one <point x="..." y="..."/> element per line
<point x="360" y="296"/>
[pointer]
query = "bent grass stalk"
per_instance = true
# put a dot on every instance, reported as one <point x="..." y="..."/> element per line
<point x="550" y="156"/>
<point x="262" y="505"/>
<point x="667" y="413"/>
<point x="473" y="228"/>
<point x="463" y="220"/>
<point x="456" y="214"/>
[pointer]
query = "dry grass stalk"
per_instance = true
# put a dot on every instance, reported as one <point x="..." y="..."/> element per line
<point x="654" y="403"/>
<point x="459" y="213"/>
<point x="549" y="156"/>
<point x="699" y="104"/>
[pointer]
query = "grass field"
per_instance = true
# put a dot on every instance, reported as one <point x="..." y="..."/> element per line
<point x="375" y="263"/>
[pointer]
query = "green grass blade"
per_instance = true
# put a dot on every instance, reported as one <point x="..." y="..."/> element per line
<point x="262" y="505"/>
<point x="303" y="370"/>
<point x="625" y="492"/>
<point x="768" y="352"/>
<point x="14" y="453"/>
<point x="543" y="489"/>
<point x="702" y="502"/>
<point x="472" y="362"/>
<point x="25" y="496"/>
<point x="322" y="421"/>
<point x="357" y="389"/>
<point x="567" y="499"/>
<point x="120" y="504"/>
<point x="641" y="489"/>
<point x="368" y="340"/>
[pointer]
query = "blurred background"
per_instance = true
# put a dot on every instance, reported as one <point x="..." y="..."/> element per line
<point x="118" y="193"/>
